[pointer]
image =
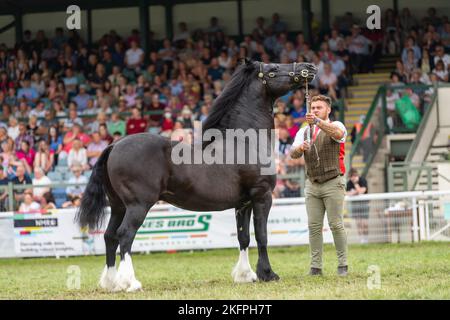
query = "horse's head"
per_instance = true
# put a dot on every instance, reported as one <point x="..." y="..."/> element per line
<point x="279" y="78"/>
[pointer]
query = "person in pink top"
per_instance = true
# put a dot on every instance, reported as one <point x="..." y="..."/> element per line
<point x="26" y="153"/>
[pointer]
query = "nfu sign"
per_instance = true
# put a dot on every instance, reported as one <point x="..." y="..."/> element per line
<point x="374" y="20"/>
<point x="73" y="21"/>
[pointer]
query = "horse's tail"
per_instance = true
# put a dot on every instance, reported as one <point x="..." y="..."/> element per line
<point x="93" y="201"/>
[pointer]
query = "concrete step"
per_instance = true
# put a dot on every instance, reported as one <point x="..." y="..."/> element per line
<point x="369" y="81"/>
<point x="378" y="75"/>
<point x="363" y="87"/>
<point x="384" y="64"/>
<point x="363" y="94"/>
<point x="357" y="100"/>
<point x="383" y="70"/>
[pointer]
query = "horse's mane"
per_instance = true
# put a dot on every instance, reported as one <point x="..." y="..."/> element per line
<point x="240" y="79"/>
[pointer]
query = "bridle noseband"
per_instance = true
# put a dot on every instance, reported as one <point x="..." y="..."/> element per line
<point x="295" y="76"/>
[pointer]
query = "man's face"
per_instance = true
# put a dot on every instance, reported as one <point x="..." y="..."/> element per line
<point x="320" y="109"/>
<point x="22" y="129"/>
<point x="20" y="171"/>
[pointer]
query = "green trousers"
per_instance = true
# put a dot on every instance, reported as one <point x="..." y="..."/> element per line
<point x="329" y="197"/>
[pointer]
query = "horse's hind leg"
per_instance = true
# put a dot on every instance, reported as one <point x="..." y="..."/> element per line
<point x="107" y="279"/>
<point x="243" y="272"/>
<point x="134" y="217"/>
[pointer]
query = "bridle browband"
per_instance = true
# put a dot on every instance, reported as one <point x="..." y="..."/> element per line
<point x="296" y="77"/>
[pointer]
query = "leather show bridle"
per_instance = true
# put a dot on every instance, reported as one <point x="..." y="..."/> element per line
<point x="292" y="74"/>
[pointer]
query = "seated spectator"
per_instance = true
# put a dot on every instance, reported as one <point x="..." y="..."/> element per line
<point x="28" y="93"/>
<point x="26" y="155"/>
<point x="82" y="98"/>
<point x="186" y="118"/>
<point x="440" y="71"/>
<point x="102" y="118"/>
<point x="95" y="148"/>
<point x="23" y="136"/>
<point x="168" y="123"/>
<point x="116" y="124"/>
<point x="44" y="158"/>
<point x="411" y="63"/>
<point x="13" y="128"/>
<point x="28" y="204"/>
<point x="359" y="51"/>
<point x="104" y="134"/>
<point x="75" y="133"/>
<point x="72" y="120"/>
<point x="134" y="57"/>
<point x="215" y="71"/>
<point x="20" y="179"/>
<point x="441" y="56"/>
<point x="47" y="201"/>
<point x="70" y="81"/>
<point x="334" y="39"/>
<point x="91" y="109"/>
<point x="298" y="111"/>
<point x="76" y="191"/>
<point x="40" y="179"/>
<point x="328" y="82"/>
<point x="130" y="96"/>
<point x="357" y="185"/>
<point x="136" y="124"/>
<point x="55" y="142"/>
<point x="3" y="191"/>
<point x="291" y="127"/>
<point x="77" y="155"/>
<point x="74" y="203"/>
<point x="48" y="121"/>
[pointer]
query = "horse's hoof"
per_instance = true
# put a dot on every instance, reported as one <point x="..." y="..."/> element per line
<point x="134" y="286"/>
<point x="243" y="276"/>
<point x="268" y="276"/>
<point x="107" y="279"/>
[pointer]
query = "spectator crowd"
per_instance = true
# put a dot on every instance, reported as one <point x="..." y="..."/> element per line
<point x="64" y="101"/>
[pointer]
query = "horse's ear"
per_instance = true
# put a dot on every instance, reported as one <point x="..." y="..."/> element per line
<point x="246" y="61"/>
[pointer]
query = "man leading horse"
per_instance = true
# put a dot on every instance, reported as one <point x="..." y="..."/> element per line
<point x="322" y="143"/>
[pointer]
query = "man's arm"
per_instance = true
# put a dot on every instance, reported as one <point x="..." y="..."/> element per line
<point x="331" y="129"/>
<point x="296" y="152"/>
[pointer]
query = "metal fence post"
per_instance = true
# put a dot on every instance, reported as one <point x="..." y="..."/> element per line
<point x="10" y="191"/>
<point x="415" y="226"/>
<point x="422" y="226"/>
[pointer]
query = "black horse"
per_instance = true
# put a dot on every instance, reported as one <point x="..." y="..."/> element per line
<point x="138" y="170"/>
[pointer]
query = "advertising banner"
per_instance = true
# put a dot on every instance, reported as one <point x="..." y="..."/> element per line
<point x="166" y="228"/>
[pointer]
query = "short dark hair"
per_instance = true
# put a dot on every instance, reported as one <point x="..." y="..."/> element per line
<point x="353" y="172"/>
<point x="321" y="97"/>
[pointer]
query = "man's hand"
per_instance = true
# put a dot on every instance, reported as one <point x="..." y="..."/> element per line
<point x="305" y="146"/>
<point x="298" y="151"/>
<point x="310" y="118"/>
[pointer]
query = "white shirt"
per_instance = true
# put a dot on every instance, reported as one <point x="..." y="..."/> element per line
<point x="39" y="192"/>
<point x="32" y="207"/>
<point x="133" y="56"/>
<point x="445" y="59"/>
<point x="80" y="157"/>
<point x="76" y="190"/>
<point x="300" y="136"/>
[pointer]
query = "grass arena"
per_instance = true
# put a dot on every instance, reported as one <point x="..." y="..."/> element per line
<point x="406" y="271"/>
<point x="131" y="110"/>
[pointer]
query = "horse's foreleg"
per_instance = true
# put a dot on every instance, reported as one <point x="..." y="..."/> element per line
<point x="107" y="279"/>
<point x="243" y="272"/>
<point x="261" y="208"/>
<point x="134" y="217"/>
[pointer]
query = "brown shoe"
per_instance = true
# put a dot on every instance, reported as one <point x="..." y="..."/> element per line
<point x="342" y="271"/>
<point x="315" y="272"/>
